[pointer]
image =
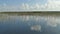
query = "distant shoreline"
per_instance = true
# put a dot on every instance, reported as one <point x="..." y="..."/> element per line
<point x="31" y="13"/>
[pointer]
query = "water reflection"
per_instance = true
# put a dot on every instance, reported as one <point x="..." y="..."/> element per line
<point x="26" y="24"/>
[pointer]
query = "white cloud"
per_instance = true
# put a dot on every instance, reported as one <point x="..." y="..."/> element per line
<point x="37" y="19"/>
<point x="53" y="4"/>
<point x="53" y="21"/>
<point x="37" y="6"/>
<point x="36" y="28"/>
<point x="50" y="5"/>
<point x="27" y="18"/>
<point x="25" y="6"/>
<point x="52" y="24"/>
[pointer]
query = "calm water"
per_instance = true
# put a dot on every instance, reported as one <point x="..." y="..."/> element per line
<point x="29" y="25"/>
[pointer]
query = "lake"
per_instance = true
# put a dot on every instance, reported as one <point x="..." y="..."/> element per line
<point x="29" y="24"/>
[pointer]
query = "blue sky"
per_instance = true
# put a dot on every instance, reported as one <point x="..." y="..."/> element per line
<point x="15" y="2"/>
<point x="30" y="5"/>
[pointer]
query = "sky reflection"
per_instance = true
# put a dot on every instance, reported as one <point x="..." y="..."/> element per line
<point x="30" y="24"/>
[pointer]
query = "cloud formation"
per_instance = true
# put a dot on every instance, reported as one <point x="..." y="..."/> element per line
<point x="36" y="28"/>
<point x="53" y="21"/>
<point x="48" y="6"/>
<point x="53" y="5"/>
<point x="37" y="6"/>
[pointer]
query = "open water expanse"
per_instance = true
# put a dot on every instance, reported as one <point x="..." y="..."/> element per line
<point x="29" y="24"/>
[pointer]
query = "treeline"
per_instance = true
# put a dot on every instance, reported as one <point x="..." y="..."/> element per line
<point x="31" y="13"/>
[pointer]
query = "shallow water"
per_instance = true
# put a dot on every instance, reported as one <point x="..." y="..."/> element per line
<point x="22" y="25"/>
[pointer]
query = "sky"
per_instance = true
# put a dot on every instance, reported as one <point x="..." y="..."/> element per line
<point x="29" y="5"/>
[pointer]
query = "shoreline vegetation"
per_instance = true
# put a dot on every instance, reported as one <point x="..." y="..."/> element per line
<point x="29" y="13"/>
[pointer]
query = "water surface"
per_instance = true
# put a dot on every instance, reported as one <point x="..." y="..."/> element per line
<point x="28" y="24"/>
